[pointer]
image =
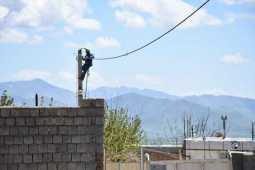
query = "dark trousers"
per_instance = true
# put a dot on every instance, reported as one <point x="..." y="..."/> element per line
<point x="85" y="68"/>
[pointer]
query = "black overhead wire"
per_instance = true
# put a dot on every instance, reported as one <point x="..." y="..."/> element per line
<point x="158" y="38"/>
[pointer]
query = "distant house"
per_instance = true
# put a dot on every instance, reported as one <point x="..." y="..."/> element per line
<point x="216" y="147"/>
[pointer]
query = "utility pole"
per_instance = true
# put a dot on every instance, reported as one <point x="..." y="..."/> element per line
<point x="79" y="81"/>
<point x="192" y="131"/>
<point x="224" y="118"/>
<point x="36" y="99"/>
<point x="252" y="129"/>
<point x="84" y="62"/>
<point x="184" y="126"/>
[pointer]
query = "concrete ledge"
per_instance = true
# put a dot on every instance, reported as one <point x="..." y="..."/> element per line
<point x="92" y="103"/>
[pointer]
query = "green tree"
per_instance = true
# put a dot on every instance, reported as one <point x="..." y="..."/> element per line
<point x="6" y="100"/>
<point x="122" y="133"/>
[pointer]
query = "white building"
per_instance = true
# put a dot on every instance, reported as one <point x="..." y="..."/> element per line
<point x="215" y="147"/>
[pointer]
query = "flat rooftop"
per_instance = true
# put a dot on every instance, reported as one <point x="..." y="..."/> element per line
<point x="220" y="139"/>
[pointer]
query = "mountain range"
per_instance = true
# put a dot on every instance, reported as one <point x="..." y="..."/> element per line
<point x="160" y="112"/>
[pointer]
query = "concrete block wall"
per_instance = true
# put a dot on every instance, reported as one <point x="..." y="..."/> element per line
<point x="52" y="138"/>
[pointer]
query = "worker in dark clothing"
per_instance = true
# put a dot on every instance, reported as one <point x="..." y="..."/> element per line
<point x="88" y="58"/>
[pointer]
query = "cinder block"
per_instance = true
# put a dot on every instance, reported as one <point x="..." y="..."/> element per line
<point x="60" y="121"/>
<point x="42" y="166"/>
<point x="92" y="139"/>
<point x="5" y="112"/>
<point x="31" y="166"/>
<point x="2" y="161"/>
<point x="88" y="103"/>
<point x="71" y="148"/>
<point x="23" y="131"/>
<point x="37" y="158"/>
<point x="23" y="148"/>
<point x="30" y="121"/>
<point x="1" y="140"/>
<point x="62" y="166"/>
<point x="23" y="167"/>
<point x="88" y="157"/>
<point x="8" y="158"/>
<point x="17" y="140"/>
<point x="52" y="130"/>
<point x="34" y="112"/>
<point x="2" y="121"/>
<point x="68" y="121"/>
<point x="61" y="112"/>
<point x="72" y="130"/>
<point x="91" y="166"/>
<point x="44" y="112"/>
<point x="83" y="130"/>
<point x="12" y="167"/>
<point x="76" y="157"/>
<point x="66" y="157"/>
<point x="47" y="139"/>
<point x="76" y="139"/>
<point x="33" y="148"/>
<point x="40" y="121"/>
<point x="13" y="131"/>
<point x="33" y="131"/>
<point x="91" y="111"/>
<point x="61" y="148"/>
<point x="71" y="112"/>
<point x="28" y="158"/>
<point x="52" y="166"/>
<point x="38" y="139"/>
<point x="21" y="112"/>
<point x="47" y="157"/>
<point x="51" y="148"/>
<point x="67" y="130"/>
<point x="51" y="121"/>
<point x="83" y="148"/>
<point x="43" y="130"/>
<point x="4" y="131"/>
<point x="57" y="157"/>
<point x="80" y="166"/>
<point x="67" y="139"/>
<point x="28" y="140"/>
<point x="42" y="148"/>
<point x="92" y="156"/>
<point x="100" y="103"/>
<point x="20" y="131"/>
<point x="13" y="149"/>
<point x="71" y="166"/>
<point x="81" y="121"/>
<point x="92" y="121"/>
<point x="10" y="121"/>
<point x="3" y="166"/>
<point x="17" y="158"/>
<point x="99" y="120"/>
<point x="57" y="139"/>
<point x="8" y="140"/>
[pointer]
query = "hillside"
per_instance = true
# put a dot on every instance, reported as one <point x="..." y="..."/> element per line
<point x="24" y="91"/>
<point x="157" y="109"/>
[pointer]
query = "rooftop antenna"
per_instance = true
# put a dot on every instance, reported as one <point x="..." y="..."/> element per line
<point x="224" y="118"/>
<point x="84" y="62"/>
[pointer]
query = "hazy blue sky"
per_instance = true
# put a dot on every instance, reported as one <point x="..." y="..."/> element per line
<point x="214" y="53"/>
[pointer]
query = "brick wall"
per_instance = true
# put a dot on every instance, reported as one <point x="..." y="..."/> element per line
<point x="52" y="138"/>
